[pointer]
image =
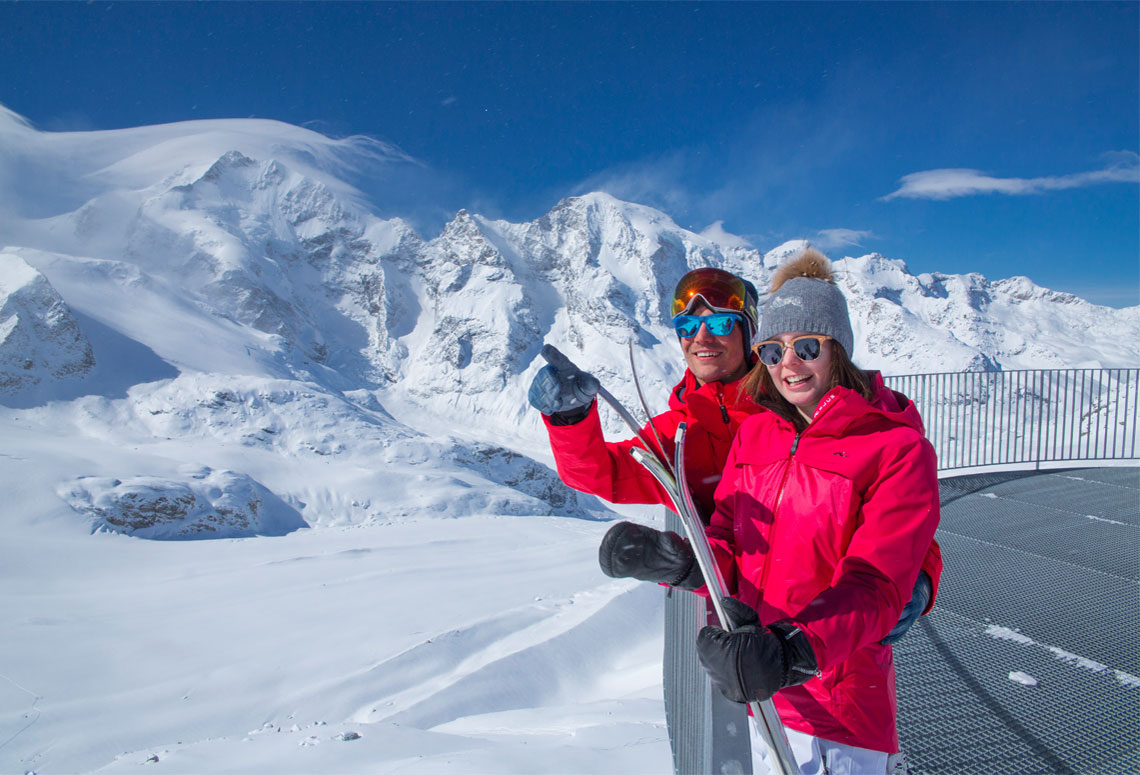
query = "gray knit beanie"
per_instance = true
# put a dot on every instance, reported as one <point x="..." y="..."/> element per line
<point x="807" y="301"/>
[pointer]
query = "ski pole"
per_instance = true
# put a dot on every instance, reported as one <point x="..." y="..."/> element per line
<point x="645" y="407"/>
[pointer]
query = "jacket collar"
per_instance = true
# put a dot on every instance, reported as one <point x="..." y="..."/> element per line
<point x="689" y="390"/>
<point x="840" y="407"/>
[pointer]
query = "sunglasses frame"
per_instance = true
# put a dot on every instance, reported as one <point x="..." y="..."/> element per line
<point x="784" y="346"/>
<point x="735" y="317"/>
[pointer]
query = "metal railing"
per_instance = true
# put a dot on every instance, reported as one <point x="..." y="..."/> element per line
<point x="995" y="418"/>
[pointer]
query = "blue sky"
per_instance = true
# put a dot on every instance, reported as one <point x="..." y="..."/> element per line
<point x="987" y="137"/>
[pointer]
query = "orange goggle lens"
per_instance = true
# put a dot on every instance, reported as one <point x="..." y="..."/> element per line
<point x="719" y="289"/>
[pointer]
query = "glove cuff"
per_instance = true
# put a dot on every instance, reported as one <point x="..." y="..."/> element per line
<point x="684" y="574"/>
<point x="571" y="416"/>
<point x="800" y="665"/>
<point x="691" y="577"/>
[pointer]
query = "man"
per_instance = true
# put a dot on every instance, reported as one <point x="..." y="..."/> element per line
<point x="706" y="398"/>
<point x="715" y="316"/>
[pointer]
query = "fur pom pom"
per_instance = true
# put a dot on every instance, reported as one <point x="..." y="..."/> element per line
<point x="809" y="262"/>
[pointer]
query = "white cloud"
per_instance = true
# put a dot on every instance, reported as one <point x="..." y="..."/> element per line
<point x="715" y="232"/>
<point x="829" y="239"/>
<point x="1121" y="167"/>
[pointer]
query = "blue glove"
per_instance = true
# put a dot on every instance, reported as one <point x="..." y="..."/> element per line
<point x="919" y="599"/>
<point x="560" y="386"/>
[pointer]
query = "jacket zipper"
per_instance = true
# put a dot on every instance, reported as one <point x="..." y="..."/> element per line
<point x="720" y="400"/>
<point x="775" y="511"/>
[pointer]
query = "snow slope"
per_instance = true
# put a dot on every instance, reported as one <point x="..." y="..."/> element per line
<point x="206" y="334"/>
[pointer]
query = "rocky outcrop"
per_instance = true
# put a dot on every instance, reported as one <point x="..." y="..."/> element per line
<point x="40" y="338"/>
<point x="203" y="504"/>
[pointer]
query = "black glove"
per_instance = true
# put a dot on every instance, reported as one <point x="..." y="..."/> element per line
<point x="561" y="388"/>
<point x="753" y="662"/>
<point x="923" y="589"/>
<point x="636" y="551"/>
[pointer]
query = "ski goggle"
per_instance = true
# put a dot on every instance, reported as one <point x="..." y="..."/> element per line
<point x="721" y="291"/>
<point x="806" y="348"/>
<point x="718" y="324"/>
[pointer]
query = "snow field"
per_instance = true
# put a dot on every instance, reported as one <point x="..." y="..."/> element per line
<point x="396" y="632"/>
<point x="447" y="640"/>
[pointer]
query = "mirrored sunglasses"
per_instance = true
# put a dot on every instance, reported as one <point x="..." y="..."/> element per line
<point x="806" y="348"/>
<point x="718" y="324"/>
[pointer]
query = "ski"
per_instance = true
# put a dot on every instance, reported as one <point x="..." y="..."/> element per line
<point x="767" y="720"/>
<point x="676" y="485"/>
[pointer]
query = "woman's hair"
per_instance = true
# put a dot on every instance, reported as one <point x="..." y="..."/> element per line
<point x="812" y="265"/>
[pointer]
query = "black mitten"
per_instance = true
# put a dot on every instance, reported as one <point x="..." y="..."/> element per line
<point x="635" y="551"/>
<point x="751" y="661"/>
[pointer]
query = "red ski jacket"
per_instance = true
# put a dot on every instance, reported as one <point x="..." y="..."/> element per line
<point x="588" y="463"/>
<point x="714" y="412"/>
<point x="829" y="528"/>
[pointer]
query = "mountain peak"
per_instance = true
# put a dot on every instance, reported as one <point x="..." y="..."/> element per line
<point x="228" y="161"/>
<point x="781" y="253"/>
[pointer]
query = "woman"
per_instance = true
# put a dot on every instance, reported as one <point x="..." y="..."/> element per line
<point x="827" y="505"/>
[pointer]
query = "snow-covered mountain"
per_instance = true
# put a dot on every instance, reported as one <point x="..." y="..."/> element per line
<point x="180" y="263"/>
<point x="205" y="332"/>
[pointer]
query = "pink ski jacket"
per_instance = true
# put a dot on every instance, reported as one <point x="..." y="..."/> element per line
<point x="714" y="412"/>
<point x="829" y="528"/>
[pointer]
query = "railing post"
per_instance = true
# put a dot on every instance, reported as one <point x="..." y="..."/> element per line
<point x="1040" y="412"/>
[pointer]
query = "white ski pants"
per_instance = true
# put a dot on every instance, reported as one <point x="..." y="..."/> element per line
<point x="816" y="756"/>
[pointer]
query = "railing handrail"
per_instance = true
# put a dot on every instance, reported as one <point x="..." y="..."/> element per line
<point x="1011" y="371"/>
<point x="981" y="419"/>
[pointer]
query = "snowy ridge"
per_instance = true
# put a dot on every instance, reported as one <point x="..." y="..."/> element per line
<point x="226" y="342"/>
<point x="934" y="322"/>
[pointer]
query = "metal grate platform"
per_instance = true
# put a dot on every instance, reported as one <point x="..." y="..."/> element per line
<point x="1042" y="577"/>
